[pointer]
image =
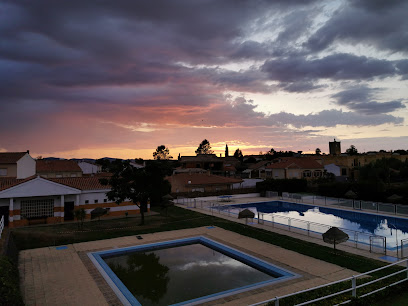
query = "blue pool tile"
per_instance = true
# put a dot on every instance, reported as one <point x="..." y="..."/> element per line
<point x="64" y="247"/>
<point x="389" y="258"/>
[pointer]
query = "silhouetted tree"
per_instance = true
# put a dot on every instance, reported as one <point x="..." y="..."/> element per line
<point x="352" y="150"/>
<point x="162" y="153"/>
<point x="204" y="148"/>
<point x="238" y="155"/>
<point x="138" y="185"/>
<point x="226" y="150"/>
<point x="318" y="151"/>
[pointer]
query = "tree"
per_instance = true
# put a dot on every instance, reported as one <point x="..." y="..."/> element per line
<point x="162" y="153"/>
<point x="238" y="155"/>
<point x="204" y="148"/>
<point x="226" y="150"/>
<point x="80" y="215"/>
<point x="352" y="150"/>
<point x="137" y="185"/>
<point x="318" y="151"/>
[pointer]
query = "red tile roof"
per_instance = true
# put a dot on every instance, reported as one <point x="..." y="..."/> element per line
<point x="202" y="179"/>
<point x="8" y="182"/>
<point x="296" y="162"/>
<point x="11" y="157"/>
<point x="82" y="183"/>
<point x="57" y="166"/>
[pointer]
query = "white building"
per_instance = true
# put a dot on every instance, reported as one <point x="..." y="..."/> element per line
<point x="52" y="200"/>
<point x="16" y="164"/>
<point x="89" y="168"/>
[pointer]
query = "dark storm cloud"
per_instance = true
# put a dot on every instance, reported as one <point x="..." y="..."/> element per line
<point x="166" y="61"/>
<point x="383" y="24"/>
<point x="339" y="66"/>
<point x="360" y="99"/>
<point x="332" y="118"/>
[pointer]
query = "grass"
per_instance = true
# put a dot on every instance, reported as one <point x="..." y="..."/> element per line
<point x="178" y="218"/>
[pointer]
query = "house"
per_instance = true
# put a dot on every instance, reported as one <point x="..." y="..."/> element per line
<point x="217" y="165"/>
<point x="16" y="164"/>
<point x="52" y="200"/>
<point x="58" y="168"/>
<point x="200" y="182"/>
<point x="203" y="161"/>
<point x="295" y="167"/>
<point x="89" y="167"/>
<point x="257" y="170"/>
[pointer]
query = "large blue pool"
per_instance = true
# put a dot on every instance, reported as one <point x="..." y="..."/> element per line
<point x="184" y="271"/>
<point x="393" y="228"/>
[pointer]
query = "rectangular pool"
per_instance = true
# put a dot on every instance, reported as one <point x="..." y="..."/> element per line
<point x="183" y="271"/>
<point x="393" y="228"/>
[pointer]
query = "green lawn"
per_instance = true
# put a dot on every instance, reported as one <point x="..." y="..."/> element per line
<point x="178" y="218"/>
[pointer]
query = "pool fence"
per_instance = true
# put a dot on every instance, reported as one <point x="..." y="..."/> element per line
<point x="395" y="209"/>
<point x="370" y="285"/>
<point x="1" y="225"/>
<point x="359" y="240"/>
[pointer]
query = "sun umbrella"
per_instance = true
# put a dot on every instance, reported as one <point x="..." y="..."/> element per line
<point x="334" y="236"/>
<point x="246" y="213"/>
<point x="98" y="212"/>
<point x="167" y="197"/>
<point x="350" y="194"/>
<point x="394" y="198"/>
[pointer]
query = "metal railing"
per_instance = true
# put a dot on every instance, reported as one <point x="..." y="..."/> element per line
<point x="1" y="225"/>
<point x="358" y="240"/>
<point x="404" y="248"/>
<point x="395" y="209"/>
<point x="353" y="288"/>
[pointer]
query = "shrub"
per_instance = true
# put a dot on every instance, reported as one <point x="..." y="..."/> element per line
<point x="9" y="283"/>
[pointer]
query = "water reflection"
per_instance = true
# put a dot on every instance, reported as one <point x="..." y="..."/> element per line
<point x="355" y="221"/>
<point x="142" y="273"/>
<point x="182" y="273"/>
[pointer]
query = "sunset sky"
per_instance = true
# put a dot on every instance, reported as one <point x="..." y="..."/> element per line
<point x="89" y="79"/>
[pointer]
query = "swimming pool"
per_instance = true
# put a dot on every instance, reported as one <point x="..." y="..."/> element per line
<point x="183" y="271"/>
<point x="394" y="229"/>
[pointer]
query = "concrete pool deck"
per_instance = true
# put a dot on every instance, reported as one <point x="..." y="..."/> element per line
<point x="66" y="276"/>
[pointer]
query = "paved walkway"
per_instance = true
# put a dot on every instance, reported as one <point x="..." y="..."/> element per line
<point x="66" y="276"/>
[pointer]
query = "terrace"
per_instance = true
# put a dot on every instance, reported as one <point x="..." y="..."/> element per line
<point x="50" y="274"/>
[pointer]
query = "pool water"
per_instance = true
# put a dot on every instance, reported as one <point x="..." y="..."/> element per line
<point x="173" y="275"/>
<point x="183" y="271"/>
<point x="390" y="227"/>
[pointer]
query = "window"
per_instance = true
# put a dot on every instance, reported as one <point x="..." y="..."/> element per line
<point x="307" y="173"/>
<point x="343" y="171"/>
<point x="73" y="175"/>
<point x="37" y="208"/>
<point x="317" y="173"/>
<point x="105" y="200"/>
<point x="197" y="190"/>
<point x="58" y="175"/>
<point x="86" y="201"/>
<point x="96" y="201"/>
<point x="3" y="172"/>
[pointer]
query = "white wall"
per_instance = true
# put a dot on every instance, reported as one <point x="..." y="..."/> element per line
<point x="247" y="183"/>
<point x="91" y="196"/>
<point x="25" y="167"/>
<point x="332" y="168"/>
<point x="88" y="168"/>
